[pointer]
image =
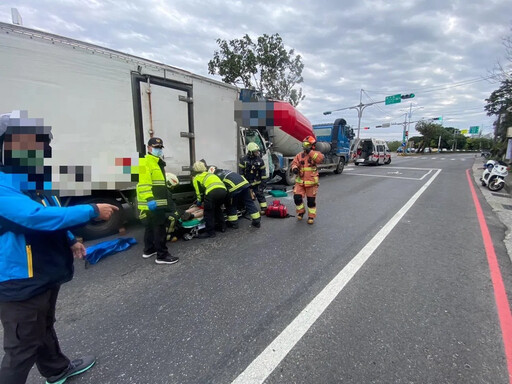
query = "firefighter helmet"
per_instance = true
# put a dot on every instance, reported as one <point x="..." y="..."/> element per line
<point x="252" y="147"/>
<point x="171" y="179"/>
<point x="308" y="142"/>
<point x="199" y="167"/>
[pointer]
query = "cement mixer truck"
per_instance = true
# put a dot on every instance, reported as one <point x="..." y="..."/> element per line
<point x="284" y="128"/>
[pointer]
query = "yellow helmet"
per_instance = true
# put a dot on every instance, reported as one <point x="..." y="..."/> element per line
<point x="199" y="167"/>
<point x="252" y="147"/>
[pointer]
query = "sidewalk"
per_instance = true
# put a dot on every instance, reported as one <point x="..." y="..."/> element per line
<point x="501" y="202"/>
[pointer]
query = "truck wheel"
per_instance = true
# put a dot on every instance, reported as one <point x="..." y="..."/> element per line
<point x="289" y="177"/>
<point x="96" y="229"/>
<point x="340" y="166"/>
<point x="388" y="161"/>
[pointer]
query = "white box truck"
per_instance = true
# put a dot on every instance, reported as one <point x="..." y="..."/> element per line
<point x="104" y="105"/>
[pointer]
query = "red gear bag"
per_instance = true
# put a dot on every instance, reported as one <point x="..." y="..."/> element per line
<point x="276" y="209"/>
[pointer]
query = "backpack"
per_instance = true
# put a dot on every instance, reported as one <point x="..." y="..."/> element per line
<point x="276" y="209"/>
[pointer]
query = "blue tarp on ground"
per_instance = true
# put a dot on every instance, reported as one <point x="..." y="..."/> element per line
<point x="107" y="248"/>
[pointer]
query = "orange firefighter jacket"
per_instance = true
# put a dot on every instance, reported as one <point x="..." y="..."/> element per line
<point x="306" y="164"/>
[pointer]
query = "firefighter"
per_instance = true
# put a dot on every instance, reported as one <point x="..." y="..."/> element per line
<point x="238" y="191"/>
<point x="252" y="168"/>
<point x="152" y="197"/>
<point x="304" y="165"/>
<point x="211" y="193"/>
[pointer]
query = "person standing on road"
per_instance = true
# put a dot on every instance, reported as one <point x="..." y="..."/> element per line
<point x="152" y="197"/>
<point x="252" y="167"/>
<point x="211" y="193"/>
<point x="36" y="258"/>
<point x="304" y="165"/>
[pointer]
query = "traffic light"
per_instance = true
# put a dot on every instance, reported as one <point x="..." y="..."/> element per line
<point x="438" y="118"/>
<point x="408" y="96"/>
<point x="366" y="128"/>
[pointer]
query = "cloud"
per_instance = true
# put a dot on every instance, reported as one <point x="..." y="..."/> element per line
<point x="431" y="48"/>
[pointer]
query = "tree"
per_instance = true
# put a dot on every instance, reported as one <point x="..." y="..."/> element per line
<point x="504" y="71"/>
<point x="393" y="145"/>
<point x="498" y="104"/>
<point x="265" y="65"/>
<point x="429" y="131"/>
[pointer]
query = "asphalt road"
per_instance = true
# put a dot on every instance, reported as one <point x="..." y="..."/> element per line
<point x="393" y="275"/>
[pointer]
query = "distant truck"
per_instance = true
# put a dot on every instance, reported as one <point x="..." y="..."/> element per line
<point x="284" y="128"/>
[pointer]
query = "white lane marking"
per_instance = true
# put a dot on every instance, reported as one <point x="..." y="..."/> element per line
<point x="413" y="168"/>
<point x="426" y="174"/>
<point x="390" y="177"/>
<point x="271" y="357"/>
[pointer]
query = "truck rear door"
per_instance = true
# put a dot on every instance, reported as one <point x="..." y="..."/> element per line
<point x="164" y="110"/>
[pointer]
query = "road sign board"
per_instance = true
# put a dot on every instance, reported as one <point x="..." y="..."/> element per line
<point x="464" y="131"/>
<point x="474" y="130"/>
<point x="386" y="125"/>
<point x="393" y="99"/>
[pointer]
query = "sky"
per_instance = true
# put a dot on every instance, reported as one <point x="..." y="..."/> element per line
<point x="443" y="51"/>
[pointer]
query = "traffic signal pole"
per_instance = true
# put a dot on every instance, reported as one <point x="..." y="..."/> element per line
<point x="361" y="107"/>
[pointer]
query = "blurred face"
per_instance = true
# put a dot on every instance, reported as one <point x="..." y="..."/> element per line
<point x="26" y="150"/>
<point x="25" y="154"/>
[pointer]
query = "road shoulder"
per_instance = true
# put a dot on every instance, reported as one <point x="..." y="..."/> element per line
<point x="500" y="202"/>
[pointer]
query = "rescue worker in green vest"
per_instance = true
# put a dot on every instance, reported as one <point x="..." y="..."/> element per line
<point x="238" y="192"/>
<point x="211" y="194"/>
<point x="252" y="167"/>
<point x="152" y="203"/>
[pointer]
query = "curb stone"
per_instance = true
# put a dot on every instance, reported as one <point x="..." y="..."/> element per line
<point x="498" y="202"/>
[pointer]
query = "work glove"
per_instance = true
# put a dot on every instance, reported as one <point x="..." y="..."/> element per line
<point x="152" y="205"/>
<point x="295" y="170"/>
<point x="198" y="203"/>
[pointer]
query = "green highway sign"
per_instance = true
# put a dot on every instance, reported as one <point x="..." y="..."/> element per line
<point x="394" y="99"/>
<point x="474" y="130"/>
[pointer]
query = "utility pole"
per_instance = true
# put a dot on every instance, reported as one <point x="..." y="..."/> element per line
<point x="359" y="108"/>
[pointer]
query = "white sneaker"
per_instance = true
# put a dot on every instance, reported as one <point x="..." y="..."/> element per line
<point x="148" y="255"/>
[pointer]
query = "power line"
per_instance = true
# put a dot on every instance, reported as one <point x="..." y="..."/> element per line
<point x="441" y="87"/>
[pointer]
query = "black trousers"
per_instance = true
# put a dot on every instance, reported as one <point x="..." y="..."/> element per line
<point x="258" y="192"/>
<point x="155" y="235"/>
<point x="213" y="209"/>
<point x="233" y="202"/>
<point x="29" y="337"/>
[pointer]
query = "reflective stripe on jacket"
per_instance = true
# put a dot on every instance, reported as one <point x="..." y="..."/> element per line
<point x="206" y="182"/>
<point x="253" y="169"/>
<point x="151" y="185"/>
<point x="306" y="164"/>
<point x="232" y="180"/>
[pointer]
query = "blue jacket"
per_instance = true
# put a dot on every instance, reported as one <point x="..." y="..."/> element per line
<point x="34" y="243"/>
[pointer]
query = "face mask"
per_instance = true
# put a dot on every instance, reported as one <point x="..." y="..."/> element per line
<point x="158" y="152"/>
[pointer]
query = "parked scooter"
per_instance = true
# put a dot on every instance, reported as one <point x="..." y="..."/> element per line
<point x="494" y="175"/>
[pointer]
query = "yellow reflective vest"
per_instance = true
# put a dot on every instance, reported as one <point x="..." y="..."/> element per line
<point x="206" y="182"/>
<point x="151" y="184"/>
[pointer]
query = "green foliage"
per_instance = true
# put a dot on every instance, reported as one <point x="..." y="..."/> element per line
<point x="393" y="145"/>
<point x="497" y="105"/>
<point x="478" y="144"/>
<point x="265" y="65"/>
<point x="430" y="132"/>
